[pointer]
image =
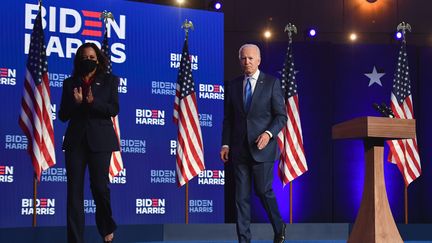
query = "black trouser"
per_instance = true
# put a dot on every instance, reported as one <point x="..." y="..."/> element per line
<point x="98" y="163"/>
<point x="246" y="168"/>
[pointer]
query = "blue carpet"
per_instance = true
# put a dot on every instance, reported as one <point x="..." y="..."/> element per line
<point x="254" y="241"/>
<point x="264" y="241"/>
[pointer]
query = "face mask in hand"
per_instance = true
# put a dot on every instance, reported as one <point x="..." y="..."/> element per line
<point x="87" y="65"/>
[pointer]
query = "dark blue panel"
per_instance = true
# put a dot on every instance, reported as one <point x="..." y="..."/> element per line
<point x="146" y="42"/>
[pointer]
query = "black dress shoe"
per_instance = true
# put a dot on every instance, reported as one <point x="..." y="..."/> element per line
<point x="280" y="238"/>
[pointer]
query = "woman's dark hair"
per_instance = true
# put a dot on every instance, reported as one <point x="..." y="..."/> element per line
<point x="102" y="59"/>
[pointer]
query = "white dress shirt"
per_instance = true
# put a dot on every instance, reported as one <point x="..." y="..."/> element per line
<point x="253" y="79"/>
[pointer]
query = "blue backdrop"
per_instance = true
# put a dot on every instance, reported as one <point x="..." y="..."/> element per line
<point x="146" y="43"/>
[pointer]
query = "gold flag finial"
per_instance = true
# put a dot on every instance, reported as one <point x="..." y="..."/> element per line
<point x="403" y="28"/>
<point x="187" y="24"/>
<point x="291" y="29"/>
<point x="105" y="15"/>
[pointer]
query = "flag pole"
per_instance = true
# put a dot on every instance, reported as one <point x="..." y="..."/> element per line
<point x="187" y="203"/>
<point x="403" y="28"/>
<point x="290" y="203"/>
<point x="406" y="205"/>
<point x="290" y="29"/>
<point x="35" y="181"/>
<point x="186" y="26"/>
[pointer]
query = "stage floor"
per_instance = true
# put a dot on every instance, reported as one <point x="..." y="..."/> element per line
<point x="208" y="233"/>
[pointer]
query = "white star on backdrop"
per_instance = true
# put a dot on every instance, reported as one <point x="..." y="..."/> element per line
<point x="374" y="77"/>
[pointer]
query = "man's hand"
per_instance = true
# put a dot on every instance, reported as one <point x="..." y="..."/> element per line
<point x="224" y="154"/>
<point x="262" y="140"/>
<point x="78" y="95"/>
<point x="89" y="96"/>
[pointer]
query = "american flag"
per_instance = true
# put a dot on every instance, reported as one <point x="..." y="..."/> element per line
<point x="292" y="162"/>
<point x="404" y="153"/>
<point x="106" y="50"/>
<point x="190" y="155"/>
<point x="116" y="163"/>
<point x="35" y="118"/>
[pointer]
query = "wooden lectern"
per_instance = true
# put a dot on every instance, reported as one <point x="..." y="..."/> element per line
<point x="374" y="222"/>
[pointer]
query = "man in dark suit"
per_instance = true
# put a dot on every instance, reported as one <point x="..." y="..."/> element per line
<point x="254" y="113"/>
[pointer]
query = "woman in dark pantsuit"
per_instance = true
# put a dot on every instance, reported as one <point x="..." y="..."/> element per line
<point x="89" y="100"/>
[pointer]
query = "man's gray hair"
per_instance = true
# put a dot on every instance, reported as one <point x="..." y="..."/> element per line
<point x="250" y="45"/>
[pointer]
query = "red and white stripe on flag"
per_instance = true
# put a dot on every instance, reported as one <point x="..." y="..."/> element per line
<point x="404" y="153"/>
<point x="116" y="163"/>
<point x="292" y="162"/>
<point x="35" y="120"/>
<point x="190" y="153"/>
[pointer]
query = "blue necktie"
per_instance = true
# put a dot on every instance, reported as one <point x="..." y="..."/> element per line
<point x="247" y="95"/>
